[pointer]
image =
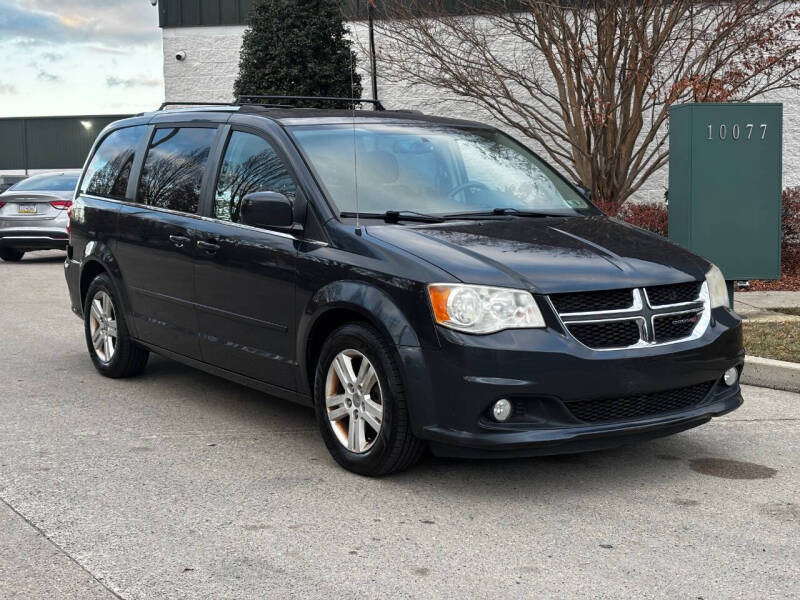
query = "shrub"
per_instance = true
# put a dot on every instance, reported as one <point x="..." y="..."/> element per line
<point x="650" y="216"/>
<point x="297" y="48"/>
<point x="790" y="217"/>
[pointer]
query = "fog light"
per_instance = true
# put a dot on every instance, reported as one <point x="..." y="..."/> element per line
<point x="501" y="410"/>
<point x="731" y="376"/>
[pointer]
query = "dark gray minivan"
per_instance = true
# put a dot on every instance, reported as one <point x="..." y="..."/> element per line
<point x="420" y="281"/>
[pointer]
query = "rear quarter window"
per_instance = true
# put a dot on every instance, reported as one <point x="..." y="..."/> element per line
<point x="174" y="167"/>
<point x="110" y="168"/>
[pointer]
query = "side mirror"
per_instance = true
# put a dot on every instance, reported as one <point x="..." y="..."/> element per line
<point x="267" y="210"/>
<point x="587" y="193"/>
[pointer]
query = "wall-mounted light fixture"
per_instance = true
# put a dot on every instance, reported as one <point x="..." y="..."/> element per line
<point x="87" y="125"/>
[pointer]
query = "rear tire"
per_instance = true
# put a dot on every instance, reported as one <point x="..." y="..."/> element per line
<point x="11" y="254"/>
<point x="113" y="351"/>
<point x="387" y="444"/>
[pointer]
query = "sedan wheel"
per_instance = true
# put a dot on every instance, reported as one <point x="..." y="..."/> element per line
<point x="103" y="326"/>
<point x="11" y="254"/>
<point x="354" y="401"/>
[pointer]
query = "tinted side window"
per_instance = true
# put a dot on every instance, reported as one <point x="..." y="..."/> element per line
<point x="174" y="167"/>
<point x="250" y="165"/>
<point x="108" y="173"/>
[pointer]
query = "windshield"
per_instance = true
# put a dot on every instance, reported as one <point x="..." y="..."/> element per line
<point x="433" y="170"/>
<point x="47" y="183"/>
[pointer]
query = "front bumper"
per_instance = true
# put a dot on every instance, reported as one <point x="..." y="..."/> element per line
<point x="541" y="441"/>
<point x="450" y="389"/>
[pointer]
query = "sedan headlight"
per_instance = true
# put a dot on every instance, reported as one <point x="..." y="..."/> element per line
<point x="482" y="309"/>
<point x="717" y="288"/>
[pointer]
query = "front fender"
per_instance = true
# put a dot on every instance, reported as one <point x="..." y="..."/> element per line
<point x="374" y="305"/>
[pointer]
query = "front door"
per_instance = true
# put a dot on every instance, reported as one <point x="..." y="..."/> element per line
<point x="245" y="277"/>
<point x="157" y="234"/>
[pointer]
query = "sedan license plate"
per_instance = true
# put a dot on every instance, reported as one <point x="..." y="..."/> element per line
<point x="26" y="209"/>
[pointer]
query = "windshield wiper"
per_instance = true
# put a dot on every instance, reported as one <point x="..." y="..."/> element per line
<point x="501" y="212"/>
<point x="395" y="216"/>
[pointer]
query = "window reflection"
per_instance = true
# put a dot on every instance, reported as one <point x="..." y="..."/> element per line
<point x="250" y="165"/>
<point x="110" y="169"/>
<point x="174" y="167"/>
<point x="432" y="169"/>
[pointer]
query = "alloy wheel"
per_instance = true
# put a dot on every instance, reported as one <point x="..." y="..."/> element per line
<point x="103" y="326"/>
<point x="354" y="401"/>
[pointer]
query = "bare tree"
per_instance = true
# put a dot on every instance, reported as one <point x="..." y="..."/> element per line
<point x="592" y="81"/>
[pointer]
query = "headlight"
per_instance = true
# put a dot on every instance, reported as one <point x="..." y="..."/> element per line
<point x="482" y="309"/>
<point x="717" y="288"/>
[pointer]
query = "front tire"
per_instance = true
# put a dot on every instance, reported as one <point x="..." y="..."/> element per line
<point x="111" y="348"/>
<point x="360" y="403"/>
<point x="11" y="254"/>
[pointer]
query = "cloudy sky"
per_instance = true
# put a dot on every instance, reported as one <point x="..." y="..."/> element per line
<point x="68" y="57"/>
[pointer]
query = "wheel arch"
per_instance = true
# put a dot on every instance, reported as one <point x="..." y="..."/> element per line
<point x="99" y="260"/>
<point x="345" y="302"/>
<point x="91" y="269"/>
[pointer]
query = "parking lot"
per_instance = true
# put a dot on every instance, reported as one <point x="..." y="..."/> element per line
<point x="178" y="484"/>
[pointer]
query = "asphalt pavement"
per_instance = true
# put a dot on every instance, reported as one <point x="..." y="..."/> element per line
<point x="178" y="484"/>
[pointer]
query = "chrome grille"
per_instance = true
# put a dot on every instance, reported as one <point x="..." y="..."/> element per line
<point x="634" y="317"/>
<point x="675" y="326"/>
<point x="662" y="295"/>
<point x="592" y="301"/>
<point x="607" y="334"/>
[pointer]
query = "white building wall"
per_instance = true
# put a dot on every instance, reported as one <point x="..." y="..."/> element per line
<point x="212" y="61"/>
<point x="211" y="65"/>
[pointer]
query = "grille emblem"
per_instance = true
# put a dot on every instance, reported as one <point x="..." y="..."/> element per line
<point x="685" y="321"/>
<point x="611" y="327"/>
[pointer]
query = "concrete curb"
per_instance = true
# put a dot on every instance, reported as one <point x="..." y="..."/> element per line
<point x="775" y="374"/>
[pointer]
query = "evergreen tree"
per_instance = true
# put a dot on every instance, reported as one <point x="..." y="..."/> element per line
<point x="297" y="48"/>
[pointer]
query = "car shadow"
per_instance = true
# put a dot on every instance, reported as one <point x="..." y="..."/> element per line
<point x="43" y="256"/>
<point x="222" y="396"/>
<point x="631" y="467"/>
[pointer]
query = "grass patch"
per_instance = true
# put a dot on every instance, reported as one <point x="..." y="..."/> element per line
<point x="779" y="341"/>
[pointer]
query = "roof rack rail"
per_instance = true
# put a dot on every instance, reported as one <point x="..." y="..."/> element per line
<point x="258" y="99"/>
<point x="168" y="104"/>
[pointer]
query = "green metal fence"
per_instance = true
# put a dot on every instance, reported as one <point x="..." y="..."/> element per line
<point x="49" y="142"/>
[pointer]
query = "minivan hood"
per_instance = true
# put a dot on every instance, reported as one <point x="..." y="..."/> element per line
<point x="547" y="255"/>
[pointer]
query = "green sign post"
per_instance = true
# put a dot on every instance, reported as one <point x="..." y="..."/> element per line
<point x="725" y="186"/>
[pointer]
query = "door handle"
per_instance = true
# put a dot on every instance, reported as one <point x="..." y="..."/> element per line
<point x="179" y="241"/>
<point x="209" y="247"/>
